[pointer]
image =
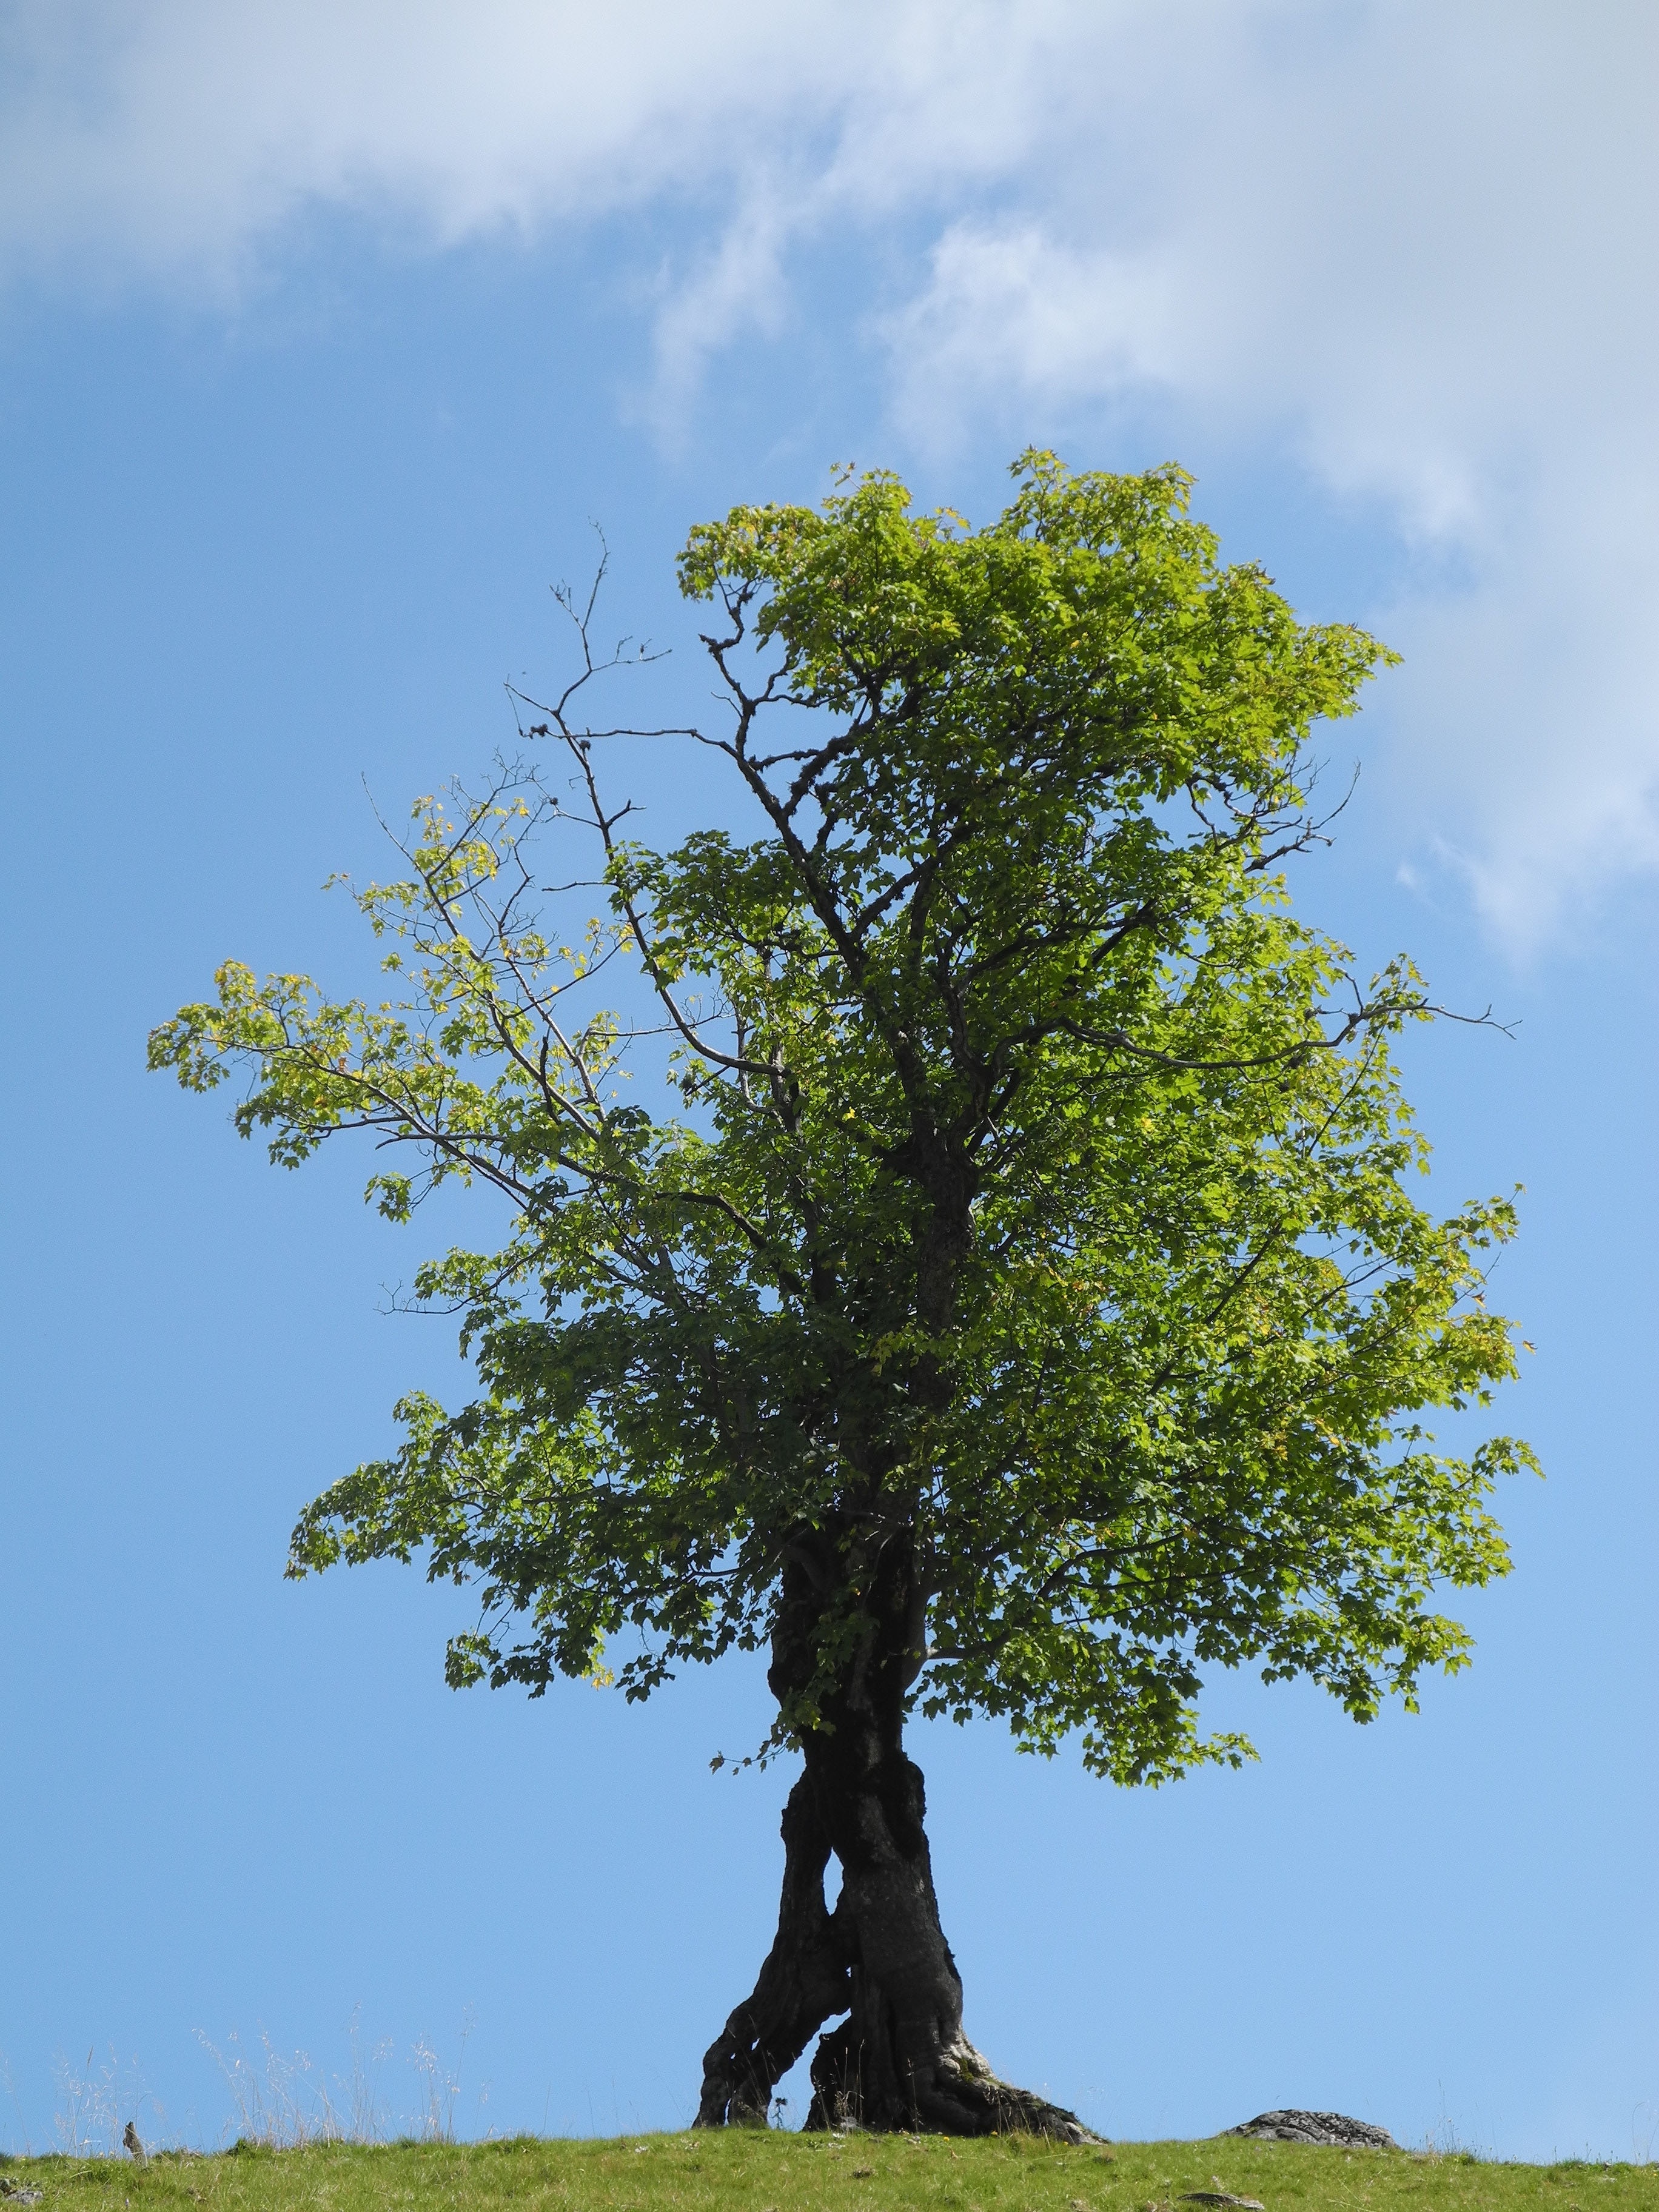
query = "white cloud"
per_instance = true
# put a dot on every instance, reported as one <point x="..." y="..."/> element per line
<point x="178" y="135"/>
<point x="1009" y="310"/>
<point x="1418" y="245"/>
<point x="1421" y="245"/>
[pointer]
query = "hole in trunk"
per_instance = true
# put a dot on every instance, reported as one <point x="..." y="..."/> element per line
<point x="797" y="2084"/>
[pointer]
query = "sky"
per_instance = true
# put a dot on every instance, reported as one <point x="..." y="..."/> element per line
<point x="328" y="333"/>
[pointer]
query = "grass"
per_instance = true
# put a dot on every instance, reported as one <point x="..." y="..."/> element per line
<point x="761" y="2172"/>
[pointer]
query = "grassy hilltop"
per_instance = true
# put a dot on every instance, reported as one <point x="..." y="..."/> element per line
<point x="756" y="2171"/>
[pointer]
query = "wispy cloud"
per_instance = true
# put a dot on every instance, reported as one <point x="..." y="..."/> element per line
<point x="1417" y="247"/>
<point x="177" y="137"/>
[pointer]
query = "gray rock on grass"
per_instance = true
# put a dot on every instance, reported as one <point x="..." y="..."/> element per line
<point x="1335" y="2129"/>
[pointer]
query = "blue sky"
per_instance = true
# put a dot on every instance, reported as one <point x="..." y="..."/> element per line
<point x="324" y="333"/>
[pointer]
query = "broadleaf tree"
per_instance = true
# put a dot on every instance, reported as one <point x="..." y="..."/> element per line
<point x="1000" y="1291"/>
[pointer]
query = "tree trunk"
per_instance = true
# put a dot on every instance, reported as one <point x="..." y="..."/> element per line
<point x="900" y="2060"/>
<point x="804" y="1983"/>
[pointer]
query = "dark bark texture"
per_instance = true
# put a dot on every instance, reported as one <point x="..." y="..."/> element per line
<point x="900" y="2059"/>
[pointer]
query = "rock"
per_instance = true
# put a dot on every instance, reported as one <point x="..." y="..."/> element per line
<point x="1333" y="2128"/>
<point x="1220" y="2196"/>
<point x="14" y="2196"/>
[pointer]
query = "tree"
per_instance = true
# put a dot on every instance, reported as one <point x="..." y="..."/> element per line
<point x="1021" y="1311"/>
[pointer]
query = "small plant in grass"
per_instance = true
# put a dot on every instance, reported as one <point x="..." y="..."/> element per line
<point x="96" y="2101"/>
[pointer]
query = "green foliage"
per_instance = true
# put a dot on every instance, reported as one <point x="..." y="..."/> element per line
<point x="1024" y="1183"/>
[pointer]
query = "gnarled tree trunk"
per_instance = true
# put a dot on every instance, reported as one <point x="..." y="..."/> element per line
<point x="804" y="1982"/>
<point x="900" y="2059"/>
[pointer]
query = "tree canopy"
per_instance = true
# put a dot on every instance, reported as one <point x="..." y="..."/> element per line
<point x="1011" y="1184"/>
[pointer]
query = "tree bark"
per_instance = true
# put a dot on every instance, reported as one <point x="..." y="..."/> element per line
<point x="804" y="1982"/>
<point x="900" y="2059"/>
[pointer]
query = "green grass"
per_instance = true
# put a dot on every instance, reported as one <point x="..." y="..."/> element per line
<point x="775" y="2172"/>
